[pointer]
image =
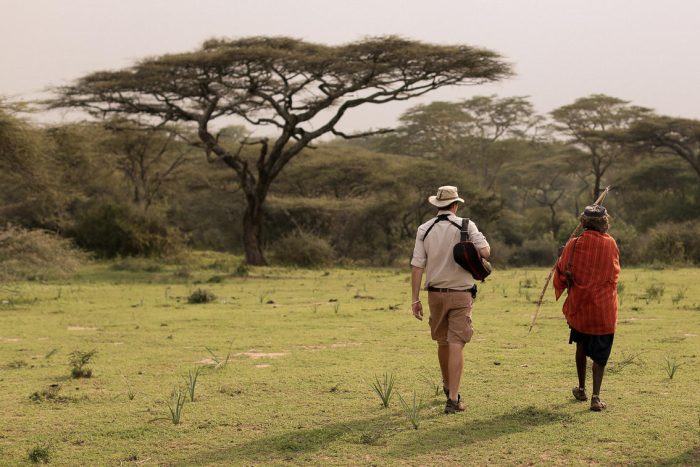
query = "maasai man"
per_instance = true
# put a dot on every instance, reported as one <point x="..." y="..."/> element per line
<point x="588" y="268"/>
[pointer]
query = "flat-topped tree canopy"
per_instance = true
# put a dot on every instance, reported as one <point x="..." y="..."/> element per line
<point x="279" y="82"/>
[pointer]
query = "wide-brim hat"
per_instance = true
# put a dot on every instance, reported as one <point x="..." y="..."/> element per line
<point x="446" y="195"/>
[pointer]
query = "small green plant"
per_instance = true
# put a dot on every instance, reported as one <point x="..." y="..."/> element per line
<point x="50" y="353"/>
<point x="182" y="273"/>
<point x="672" y="366"/>
<point x="620" y="291"/>
<point x="77" y="360"/>
<point x="220" y="363"/>
<point x="39" y="454"/>
<point x="129" y="390"/>
<point x="679" y="296"/>
<point x="385" y="388"/>
<point x="16" y="364"/>
<point x="242" y="270"/>
<point x="654" y="292"/>
<point x="627" y="359"/>
<point x="48" y="394"/>
<point x="336" y="307"/>
<point x="436" y="386"/>
<point x="175" y="405"/>
<point x="412" y="410"/>
<point x="371" y="437"/>
<point x="262" y="296"/>
<point x="191" y="381"/>
<point x="201" y="296"/>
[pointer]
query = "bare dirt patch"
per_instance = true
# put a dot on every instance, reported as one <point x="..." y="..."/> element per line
<point x="252" y="353"/>
<point x="339" y="345"/>
<point x="207" y="361"/>
<point x="81" y="328"/>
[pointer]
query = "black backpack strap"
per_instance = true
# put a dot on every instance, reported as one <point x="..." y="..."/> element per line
<point x="441" y="217"/>
<point x="464" y="230"/>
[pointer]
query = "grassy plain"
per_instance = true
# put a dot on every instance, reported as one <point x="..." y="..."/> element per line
<point x="305" y="346"/>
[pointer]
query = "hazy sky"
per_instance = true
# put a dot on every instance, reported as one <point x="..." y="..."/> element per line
<point x="645" y="51"/>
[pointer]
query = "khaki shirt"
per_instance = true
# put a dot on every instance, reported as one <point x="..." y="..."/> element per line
<point x="435" y="253"/>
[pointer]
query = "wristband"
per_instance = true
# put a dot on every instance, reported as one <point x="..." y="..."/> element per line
<point x="417" y="301"/>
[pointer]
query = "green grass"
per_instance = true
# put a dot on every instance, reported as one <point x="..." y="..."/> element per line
<point x="296" y="386"/>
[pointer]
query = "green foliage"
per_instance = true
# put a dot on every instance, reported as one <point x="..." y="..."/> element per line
<point x="201" y="296"/>
<point x="412" y="410"/>
<point x="112" y="229"/>
<point x="303" y="249"/>
<point x="191" y="381"/>
<point x="672" y="366"/>
<point x="673" y="243"/>
<point x="77" y="360"/>
<point x="133" y="264"/>
<point x="49" y="393"/>
<point x="130" y="393"/>
<point x="176" y="404"/>
<point x="654" y="292"/>
<point x="384" y="388"/>
<point x="300" y="74"/>
<point x="537" y="251"/>
<point x="36" y="255"/>
<point x="679" y="296"/>
<point x="220" y="362"/>
<point x="39" y="454"/>
<point x="242" y="270"/>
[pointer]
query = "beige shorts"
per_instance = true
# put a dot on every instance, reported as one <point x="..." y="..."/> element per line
<point x="450" y="317"/>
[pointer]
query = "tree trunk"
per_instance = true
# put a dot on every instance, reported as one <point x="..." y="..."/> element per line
<point x="252" y="229"/>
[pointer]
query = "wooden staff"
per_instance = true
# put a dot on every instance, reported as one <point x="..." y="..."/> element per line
<point x="551" y="273"/>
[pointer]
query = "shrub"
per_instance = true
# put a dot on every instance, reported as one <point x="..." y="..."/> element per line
<point x="535" y="252"/>
<point x="39" y="454"/>
<point x="36" y="255"/>
<point x="672" y="243"/>
<point x="137" y="265"/>
<point x="78" y="359"/>
<point x="502" y="253"/>
<point x="303" y="249"/>
<point x="201" y="296"/>
<point x="111" y="229"/>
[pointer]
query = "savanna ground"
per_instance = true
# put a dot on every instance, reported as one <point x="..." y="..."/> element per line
<point x="304" y="347"/>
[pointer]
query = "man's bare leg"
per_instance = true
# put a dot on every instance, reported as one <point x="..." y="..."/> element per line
<point x="444" y="358"/>
<point x="454" y="369"/>
<point x="596" y="404"/>
<point x="581" y="366"/>
<point x="598" y="372"/>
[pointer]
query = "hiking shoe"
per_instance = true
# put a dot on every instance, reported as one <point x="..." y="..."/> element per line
<point x="597" y="405"/>
<point x="579" y="394"/>
<point x="454" y="406"/>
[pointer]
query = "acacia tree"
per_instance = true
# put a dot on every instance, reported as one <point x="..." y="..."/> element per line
<point x="588" y="122"/>
<point x="667" y="135"/>
<point x="300" y="89"/>
<point x="468" y="132"/>
<point x="149" y="158"/>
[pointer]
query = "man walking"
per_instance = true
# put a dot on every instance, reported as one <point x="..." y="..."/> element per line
<point x="588" y="268"/>
<point x="451" y="289"/>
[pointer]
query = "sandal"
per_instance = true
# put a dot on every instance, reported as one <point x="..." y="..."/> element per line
<point x="597" y="405"/>
<point x="579" y="394"/>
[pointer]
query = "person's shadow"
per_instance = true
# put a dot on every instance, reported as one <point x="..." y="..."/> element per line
<point x="436" y="436"/>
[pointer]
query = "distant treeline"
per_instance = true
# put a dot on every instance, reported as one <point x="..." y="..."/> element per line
<point x="120" y="190"/>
